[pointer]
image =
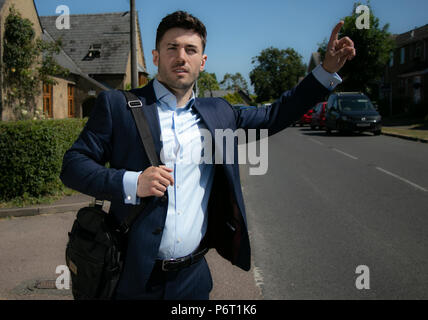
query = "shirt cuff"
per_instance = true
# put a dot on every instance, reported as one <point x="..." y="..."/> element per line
<point x="327" y="79"/>
<point x="130" y="181"/>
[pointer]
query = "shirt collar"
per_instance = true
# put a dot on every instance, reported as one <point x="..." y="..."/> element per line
<point x="167" y="97"/>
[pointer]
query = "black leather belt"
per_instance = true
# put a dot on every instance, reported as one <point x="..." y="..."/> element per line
<point x="180" y="263"/>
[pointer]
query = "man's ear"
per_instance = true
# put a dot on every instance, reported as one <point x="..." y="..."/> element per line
<point x="203" y="62"/>
<point x="155" y="54"/>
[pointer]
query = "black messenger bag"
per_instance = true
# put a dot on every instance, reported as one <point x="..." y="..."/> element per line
<point x="96" y="249"/>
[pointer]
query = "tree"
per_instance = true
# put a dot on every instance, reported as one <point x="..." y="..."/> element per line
<point x="27" y="62"/>
<point x="234" y="82"/>
<point x="207" y="82"/>
<point x="234" y="98"/>
<point x="276" y="71"/>
<point x="373" y="47"/>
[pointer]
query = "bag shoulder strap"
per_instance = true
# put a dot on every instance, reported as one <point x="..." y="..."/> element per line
<point x="146" y="137"/>
<point x="143" y="127"/>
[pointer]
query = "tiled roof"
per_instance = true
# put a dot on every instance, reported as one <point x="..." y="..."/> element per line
<point x="108" y="31"/>
<point x="65" y="61"/>
<point x="412" y="36"/>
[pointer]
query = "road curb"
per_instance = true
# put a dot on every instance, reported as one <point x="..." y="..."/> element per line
<point x="404" y="137"/>
<point x="33" y="211"/>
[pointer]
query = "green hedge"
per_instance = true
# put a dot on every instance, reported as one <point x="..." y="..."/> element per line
<point x="31" y="155"/>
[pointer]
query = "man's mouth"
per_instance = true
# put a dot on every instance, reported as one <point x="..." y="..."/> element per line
<point x="180" y="71"/>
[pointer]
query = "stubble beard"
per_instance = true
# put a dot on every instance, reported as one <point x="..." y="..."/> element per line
<point x="175" y="84"/>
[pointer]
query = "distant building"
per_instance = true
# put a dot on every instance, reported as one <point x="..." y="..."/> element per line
<point x="98" y="45"/>
<point x="405" y="82"/>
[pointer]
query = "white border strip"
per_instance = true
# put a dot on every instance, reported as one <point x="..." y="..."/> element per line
<point x="346" y="154"/>
<point x="402" y="179"/>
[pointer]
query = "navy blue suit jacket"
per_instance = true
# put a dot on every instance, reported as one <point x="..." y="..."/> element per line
<point x="110" y="135"/>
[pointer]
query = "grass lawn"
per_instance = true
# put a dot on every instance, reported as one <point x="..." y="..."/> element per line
<point x="415" y="131"/>
<point x="26" y="200"/>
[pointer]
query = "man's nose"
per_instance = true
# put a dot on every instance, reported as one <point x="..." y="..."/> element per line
<point x="181" y="54"/>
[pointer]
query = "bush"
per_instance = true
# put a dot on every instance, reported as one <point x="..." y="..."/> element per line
<point x="31" y="153"/>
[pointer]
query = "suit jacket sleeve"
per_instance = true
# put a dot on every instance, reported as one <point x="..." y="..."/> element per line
<point x="287" y="109"/>
<point x="83" y="167"/>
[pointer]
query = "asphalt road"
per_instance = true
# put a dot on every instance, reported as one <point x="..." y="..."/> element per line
<point x="329" y="204"/>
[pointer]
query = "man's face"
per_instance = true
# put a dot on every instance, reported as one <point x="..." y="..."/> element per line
<point x="179" y="58"/>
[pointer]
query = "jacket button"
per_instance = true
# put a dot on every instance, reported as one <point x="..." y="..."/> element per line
<point x="164" y="198"/>
<point x="157" y="231"/>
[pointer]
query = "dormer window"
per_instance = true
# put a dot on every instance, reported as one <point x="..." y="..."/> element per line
<point x="94" y="52"/>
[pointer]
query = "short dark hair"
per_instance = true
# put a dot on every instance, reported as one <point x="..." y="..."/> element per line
<point x="181" y="19"/>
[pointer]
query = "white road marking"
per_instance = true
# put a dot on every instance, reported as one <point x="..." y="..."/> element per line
<point x="402" y="179"/>
<point x="316" y="141"/>
<point x="346" y="154"/>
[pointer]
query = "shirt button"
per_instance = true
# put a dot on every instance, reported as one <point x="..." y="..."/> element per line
<point x="179" y="212"/>
<point x="163" y="198"/>
<point x="178" y="240"/>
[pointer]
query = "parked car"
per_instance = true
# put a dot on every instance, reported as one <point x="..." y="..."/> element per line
<point x="351" y="111"/>
<point x="305" y="119"/>
<point x="318" y="117"/>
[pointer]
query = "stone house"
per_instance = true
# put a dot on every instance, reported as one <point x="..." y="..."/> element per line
<point x="96" y="51"/>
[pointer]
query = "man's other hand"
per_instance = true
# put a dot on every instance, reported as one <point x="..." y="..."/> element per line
<point x="153" y="181"/>
<point x="338" y="51"/>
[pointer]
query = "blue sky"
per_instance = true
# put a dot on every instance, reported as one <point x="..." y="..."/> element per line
<point x="238" y="30"/>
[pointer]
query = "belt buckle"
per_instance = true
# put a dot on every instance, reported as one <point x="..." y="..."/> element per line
<point x="164" y="262"/>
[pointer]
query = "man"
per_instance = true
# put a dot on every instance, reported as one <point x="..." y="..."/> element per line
<point x="189" y="205"/>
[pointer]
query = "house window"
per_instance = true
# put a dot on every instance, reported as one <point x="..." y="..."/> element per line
<point x="391" y="59"/>
<point x="47" y="100"/>
<point x="142" y="80"/>
<point x="403" y="55"/>
<point x="71" y="106"/>
<point x="418" y="52"/>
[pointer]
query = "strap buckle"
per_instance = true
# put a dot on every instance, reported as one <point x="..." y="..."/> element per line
<point x="135" y="104"/>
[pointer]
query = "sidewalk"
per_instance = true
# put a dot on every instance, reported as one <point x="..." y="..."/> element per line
<point x="32" y="244"/>
<point x="406" y="130"/>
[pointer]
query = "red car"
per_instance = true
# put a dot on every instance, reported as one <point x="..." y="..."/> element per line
<point x="306" y="118"/>
<point x="318" y="117"/>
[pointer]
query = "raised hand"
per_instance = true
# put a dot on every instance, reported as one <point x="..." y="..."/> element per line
<point x="338" y="51"/>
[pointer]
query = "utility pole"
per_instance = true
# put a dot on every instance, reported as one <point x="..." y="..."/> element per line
<point x="134" y="70"/>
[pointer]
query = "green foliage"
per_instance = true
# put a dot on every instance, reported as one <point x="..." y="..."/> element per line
<point x="234" y="98"/>
<point x="234" y="82"/>
<point x="207" y="82"/>
<point x="31" y="153"/>
<point x="27" y="62"/>
<point x="373" y="48"/>
<point x="276" y="71"/>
